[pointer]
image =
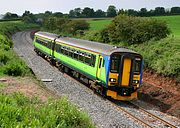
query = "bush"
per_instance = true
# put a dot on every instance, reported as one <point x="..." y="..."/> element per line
<point x="4" y="57"/>
<point x="135" y="30"/>
<point x="162" y="56"/>
<point x="5" y="43"/>
<point x="92" y="36"/>
<point x="16" y="67"/>
<point x="19" y="111"/>
<point x="9" y="63"/>
<point x="76" y="25"/>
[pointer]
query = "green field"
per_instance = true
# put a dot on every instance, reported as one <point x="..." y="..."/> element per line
<point x="172" y="21"/>
<point x="98" y="24"/>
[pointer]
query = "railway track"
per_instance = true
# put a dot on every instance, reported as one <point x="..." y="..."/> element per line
<point x="146" y="119"/>
<point x="149" y="119"/>
<point x="166" y="124"/>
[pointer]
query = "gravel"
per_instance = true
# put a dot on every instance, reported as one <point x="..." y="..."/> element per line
<point x="102" y="113"/>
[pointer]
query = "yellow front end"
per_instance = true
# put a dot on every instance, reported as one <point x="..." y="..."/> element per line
<point x="123" y="83"/>
<point x="115" y="96"/>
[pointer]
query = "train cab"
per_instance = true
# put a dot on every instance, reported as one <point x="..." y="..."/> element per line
<point x="125" y="75"/>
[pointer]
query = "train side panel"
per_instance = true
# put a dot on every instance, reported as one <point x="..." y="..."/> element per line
<point x="43" y="45"/>
<point x="77" y="65"/>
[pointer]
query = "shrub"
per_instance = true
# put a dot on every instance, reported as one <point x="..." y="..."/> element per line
<point x="135" y="30"/>
<point x="4" y="57"/>
<point x="19" y="111"/>
<point x="92" y="36"/>
<point x="76" y="25"/>
<point x="162" y="56"/>
<point x="16" y="67"/>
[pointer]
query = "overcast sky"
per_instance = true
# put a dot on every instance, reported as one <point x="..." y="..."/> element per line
<point x="37" y="6"/>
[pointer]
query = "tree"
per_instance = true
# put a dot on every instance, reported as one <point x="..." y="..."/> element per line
<point x="143" y="12"/>
<point x="9" y="15"/>
<point x="135" y="30"/>
<point x="159" y="11"/>
<point x="50" y="23"/>
<point x="100" y="13"/>
<point x="26" y="13"/>
<point x="121" y="11"/>
<point x="76" y="25"/>
<point x="132" y="12"/>
<point x="88" y="12"/>
<point x="111" y="11"/>
<point x="28" y="17"/>
<point x="77" y="12"/>
<point x="175" y="10"/>
<point x="58" y="14"/>
<point x="47" y="13"/>
<point x="72" y="14"/>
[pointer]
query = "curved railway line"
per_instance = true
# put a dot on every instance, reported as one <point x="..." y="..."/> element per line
<point x="145" y="119"/>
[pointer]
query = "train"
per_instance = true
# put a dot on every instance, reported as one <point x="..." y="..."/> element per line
<point x="112" y="71"/>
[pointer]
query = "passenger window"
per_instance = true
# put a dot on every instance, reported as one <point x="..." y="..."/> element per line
<point x="66" y="52"/>
<point x="71" y="53"/>
<point x="76" y="55"/>
<point x="81" y="56"/>
<point x="88" y="59"/>
<point x="93" y="60"/>
<point x="62" y="50"/>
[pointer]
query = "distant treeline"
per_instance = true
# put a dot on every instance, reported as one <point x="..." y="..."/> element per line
<point x="87" y="12"/>
<point x="112" y="12"/>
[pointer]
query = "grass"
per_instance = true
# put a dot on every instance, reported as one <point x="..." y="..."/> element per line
<point x="98" y="24"/>
<point x="173" y="23"/>
<point x="20" y="111"/>
<point x="10" y="64"/>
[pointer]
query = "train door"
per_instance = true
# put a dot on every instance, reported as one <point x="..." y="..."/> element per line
<point x="99" y="67"/>
<point x="126" y="70"/>
<point x="52" y="48"/>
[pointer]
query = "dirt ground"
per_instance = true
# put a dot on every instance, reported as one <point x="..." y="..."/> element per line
<point x="26" y="85"/>
<point x="162" y="92"/>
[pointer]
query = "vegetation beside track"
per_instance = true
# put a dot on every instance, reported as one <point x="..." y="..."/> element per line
<point x="10" y="64"/>
<point x="16" y="109"/>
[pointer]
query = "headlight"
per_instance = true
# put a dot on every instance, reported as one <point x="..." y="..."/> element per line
<point x="112" y="80"/>
<point x="135" y="81"/>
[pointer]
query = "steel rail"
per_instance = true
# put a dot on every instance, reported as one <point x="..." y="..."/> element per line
<point x="152" y="115"/>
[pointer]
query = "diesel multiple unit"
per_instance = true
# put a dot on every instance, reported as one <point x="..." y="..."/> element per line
<point x="110" y="70"/>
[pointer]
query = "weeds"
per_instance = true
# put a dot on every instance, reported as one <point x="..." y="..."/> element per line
<point x="19" y="111"/>
<point x="10" y="64"/>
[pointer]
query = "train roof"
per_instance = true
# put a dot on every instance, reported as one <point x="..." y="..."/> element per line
<point x="85" y="44"/>
<point x="47" y="35"/>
